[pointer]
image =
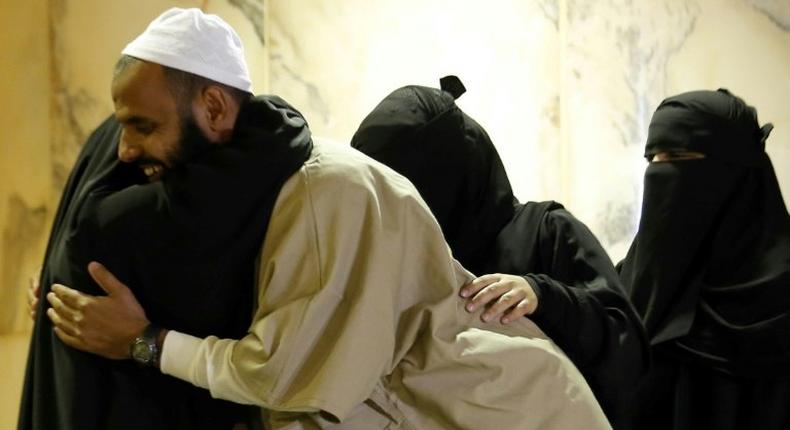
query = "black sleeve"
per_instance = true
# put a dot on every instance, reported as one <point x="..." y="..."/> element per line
<point x="582" y="307"/>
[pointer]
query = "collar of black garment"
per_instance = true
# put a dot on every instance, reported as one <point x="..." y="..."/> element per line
<point x="271" y="139"/>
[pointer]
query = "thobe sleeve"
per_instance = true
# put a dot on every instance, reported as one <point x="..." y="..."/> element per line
<point x="582" y="307"/>
<point x="324" y="331"/>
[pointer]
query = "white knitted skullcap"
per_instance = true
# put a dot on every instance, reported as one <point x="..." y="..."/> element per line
<point x="195" y="42"/>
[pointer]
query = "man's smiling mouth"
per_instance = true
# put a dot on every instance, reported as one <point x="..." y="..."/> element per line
<point x="153" y="171"/>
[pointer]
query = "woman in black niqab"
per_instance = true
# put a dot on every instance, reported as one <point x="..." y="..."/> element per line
<point x="709" y="270"/>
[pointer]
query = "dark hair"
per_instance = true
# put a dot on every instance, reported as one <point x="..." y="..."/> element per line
<point x="183" y="85"/>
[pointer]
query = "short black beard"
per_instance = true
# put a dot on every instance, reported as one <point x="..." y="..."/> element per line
<point x="191" y="143"/>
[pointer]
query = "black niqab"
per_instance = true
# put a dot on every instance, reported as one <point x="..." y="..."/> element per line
<point x="709" y="269"/>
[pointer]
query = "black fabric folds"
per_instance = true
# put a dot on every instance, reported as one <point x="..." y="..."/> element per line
<point x="709" y="269"/>
<point x="186" y="246"/>
<point x="423" y="135"/>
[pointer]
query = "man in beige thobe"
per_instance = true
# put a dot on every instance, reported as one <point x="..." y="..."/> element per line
<point x="359" y="324"/>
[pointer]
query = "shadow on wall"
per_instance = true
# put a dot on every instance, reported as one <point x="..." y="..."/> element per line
<point x="23" y="230"/>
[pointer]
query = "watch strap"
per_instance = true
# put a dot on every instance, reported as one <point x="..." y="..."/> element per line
<point x="149" y="337"/>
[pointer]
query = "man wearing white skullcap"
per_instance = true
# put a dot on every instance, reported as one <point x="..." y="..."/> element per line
<point x="358" y="322"/>
<point x="161" y="195"/>
<point x="194" y="42"/>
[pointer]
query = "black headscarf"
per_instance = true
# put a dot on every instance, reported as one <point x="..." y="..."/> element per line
<point x="186" y="246"/>
<point x="421" y="133"/>
<point x="709" y="269"/>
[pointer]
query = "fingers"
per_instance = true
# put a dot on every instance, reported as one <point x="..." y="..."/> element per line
<point x="487" y="295"/>
<point x="33" y="291"/>
<point x="65" y="312"/>
<point x="69" y="296"/>
<point x="478" y="284"/>
<point x="34" y="285"/>
<point x="506" y="301"/>
<point x="68" y="339"/>
<point x="64" y="325"/>
<point x="67" y="323"/>
<point x="103" y="325"/>
<point x="524" y="307"/>
<point x="508" y="296"/>
<point x="106" y="280"/>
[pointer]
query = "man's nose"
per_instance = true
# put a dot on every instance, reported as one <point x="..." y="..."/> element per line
<point x="127" y="152"/>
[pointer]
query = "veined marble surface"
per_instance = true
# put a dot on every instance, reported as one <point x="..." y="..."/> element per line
<point x="565" y="88"/>
<point x="777" y="11"/>
<point x="337" y="60"/>
<point x="614" y="77"/>
<point x="25" y="160"/>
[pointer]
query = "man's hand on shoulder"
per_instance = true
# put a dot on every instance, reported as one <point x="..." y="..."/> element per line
<point x="103" y="325"/>
<point x="508" y="295"/>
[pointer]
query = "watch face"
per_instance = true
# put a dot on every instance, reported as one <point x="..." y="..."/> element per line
<point x="142" y="352"/>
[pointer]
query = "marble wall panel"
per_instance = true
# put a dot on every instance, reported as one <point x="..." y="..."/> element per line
<point x="566" y="88"/>
<point x="336" y="60"/>
<point x="614" y="76"/>
<point x="743" y="46"/>
<point x="24" y="180"/>
<point x="25" y="176"/>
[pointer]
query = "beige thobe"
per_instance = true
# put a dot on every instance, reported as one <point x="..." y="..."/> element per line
<point x="359" y="324"/>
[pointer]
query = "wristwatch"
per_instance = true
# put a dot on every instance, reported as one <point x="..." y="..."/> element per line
<point x="144" y="348"/>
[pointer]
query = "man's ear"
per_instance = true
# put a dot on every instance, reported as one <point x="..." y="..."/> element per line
<point x="216" y="104"/>
<point x="216" y="113"/>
